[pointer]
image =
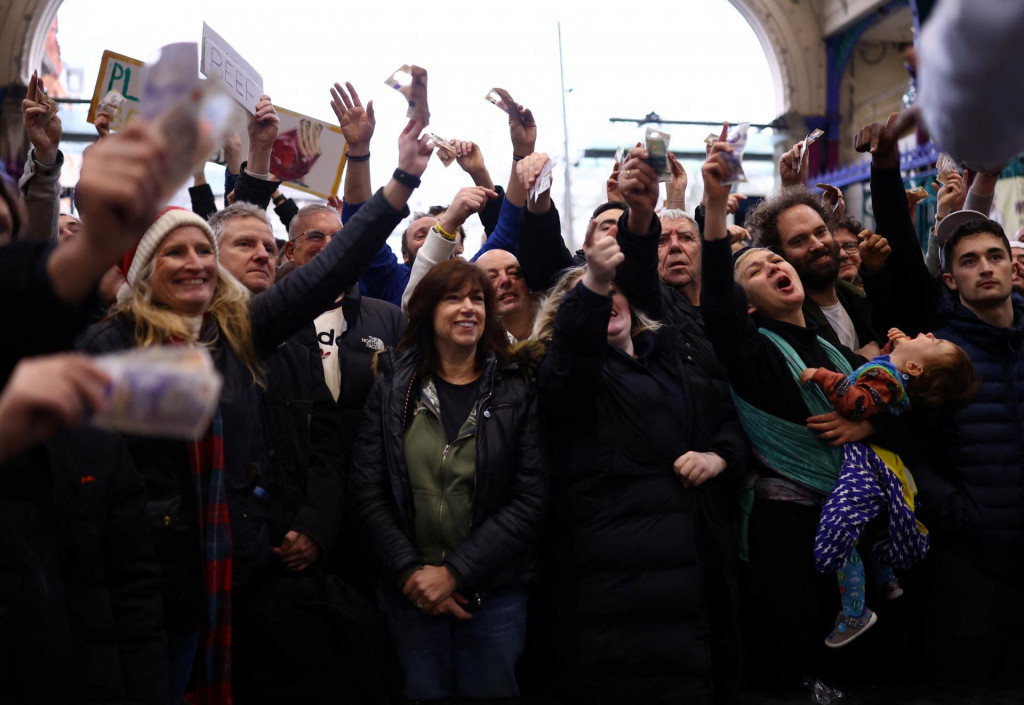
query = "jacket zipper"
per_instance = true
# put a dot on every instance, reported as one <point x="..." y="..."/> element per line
<point x="440" y="501"/>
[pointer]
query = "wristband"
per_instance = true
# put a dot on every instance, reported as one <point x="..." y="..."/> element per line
<point x="364" y="158"/>
<point x="938" y="218"/>
<point x="443" y="233"/>
<point x="406" y="179"/>
<point x="279" y="200"/>
<point x="517" y="158"/>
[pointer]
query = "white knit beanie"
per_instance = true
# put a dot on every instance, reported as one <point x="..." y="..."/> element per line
<point x="168" y="221"/>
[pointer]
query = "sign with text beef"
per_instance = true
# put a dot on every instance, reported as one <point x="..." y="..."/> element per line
<point x="308" y="154"/>
<point x="120" y="85"/>
<point x="226" y="65"/>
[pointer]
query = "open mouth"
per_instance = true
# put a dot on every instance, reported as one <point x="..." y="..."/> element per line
<point x="784" y="283"/>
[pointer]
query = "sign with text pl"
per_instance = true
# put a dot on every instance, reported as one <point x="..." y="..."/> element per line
<point x="124" y="75"/>
<point x="226" y="65"/>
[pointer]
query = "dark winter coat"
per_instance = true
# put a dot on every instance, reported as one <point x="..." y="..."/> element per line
<point x="276" y="314"/>
<point x="79" y="581"/>
<point x="972" y="491"/>
<point x="512" y="479"/>
<point x="632" y="552"/>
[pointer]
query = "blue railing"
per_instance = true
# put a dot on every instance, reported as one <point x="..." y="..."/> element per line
<point x="919" y="157"/>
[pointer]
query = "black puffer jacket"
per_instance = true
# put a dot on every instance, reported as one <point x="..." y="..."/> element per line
<point x="511" y="478"/>
<point x="972" y="490"/>
<point x="275" y="315"/>
<point x="79" y="580"/>
<point x="633" y="554"/>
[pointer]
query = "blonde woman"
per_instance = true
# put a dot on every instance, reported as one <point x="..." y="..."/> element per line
<point x="206" y="504"/>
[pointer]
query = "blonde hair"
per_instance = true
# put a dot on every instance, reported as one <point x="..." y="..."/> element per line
<point x="544" y="325"/>
<point x="155" y="324"/>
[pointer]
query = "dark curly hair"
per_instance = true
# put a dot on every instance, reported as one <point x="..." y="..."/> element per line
<point x="850" y="224"/>
<point x="452" y="275"/>
<point x="763" y="220"/>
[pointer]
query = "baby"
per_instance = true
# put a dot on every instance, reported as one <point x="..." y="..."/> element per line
<point x="924" y="372"/>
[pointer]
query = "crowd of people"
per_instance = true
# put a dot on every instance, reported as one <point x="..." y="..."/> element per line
<point x="691" y="461"/>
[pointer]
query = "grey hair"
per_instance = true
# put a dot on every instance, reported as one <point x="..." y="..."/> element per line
<point x="311" y="209"/>
<point x="676" y="214"/>
<point x="240" y="209"/>
<point x="544" y="321"/>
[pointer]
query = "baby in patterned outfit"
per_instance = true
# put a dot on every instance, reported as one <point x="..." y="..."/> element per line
<point x="923" y="372"/>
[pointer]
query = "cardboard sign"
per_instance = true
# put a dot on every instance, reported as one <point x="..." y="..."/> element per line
<point x="226" y="65"/>
<point x="125" y="75"/>
<point x="309" y="154"/>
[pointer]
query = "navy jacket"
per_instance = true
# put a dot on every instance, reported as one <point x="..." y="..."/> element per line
<point x="973" y="488"/>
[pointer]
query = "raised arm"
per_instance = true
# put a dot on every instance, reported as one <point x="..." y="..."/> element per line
<point x="637" y="276"/>
<point x="542" y="251"/>
<point x="296" y="300"/>
<point x="915" y="293"/>
<point x="40" y="184"/>
<point x="570" y="373"/>
<point x="357" y="125"/>
<point x="254" y="184"/>
<point x="440" y="242"/>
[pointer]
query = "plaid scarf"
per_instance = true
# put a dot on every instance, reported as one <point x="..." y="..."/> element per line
<point x="213" y="674"/>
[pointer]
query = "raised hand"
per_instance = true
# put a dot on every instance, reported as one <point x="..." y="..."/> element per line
<point x="882" y="141"/>
<point x="675" y="190"/>
<point x="529" y="168"/>
<point x="603" y="257"/>
<point x="356" y="123"/>
<point x="951" y="196"/>
<point x="714" y="171"/>
<point x="123" y="182"/>
<point x="790" y="172"/>
<point x="732" y="204"/>
<point x="45" y="394"/>
<point x="523" y="131"/>
<point x="467" y="201"/>
<point x="874" y="250"/>
<point x="611" y="186"/>
<point x="414" y="149"/>
<point x="638" y="184"/>
<point x="44" y="130"/>
<point x="263" y="126"/>
<point x="469" y="156"/>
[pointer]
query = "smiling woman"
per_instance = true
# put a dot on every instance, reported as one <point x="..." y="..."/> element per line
<point x="452" y="433"/>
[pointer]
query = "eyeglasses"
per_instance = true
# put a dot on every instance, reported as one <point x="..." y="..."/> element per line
<point x="314" y="237"/>
<point x="851" y="247"/>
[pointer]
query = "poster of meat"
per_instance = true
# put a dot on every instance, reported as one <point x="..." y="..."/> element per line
<point x="308" y="154"/>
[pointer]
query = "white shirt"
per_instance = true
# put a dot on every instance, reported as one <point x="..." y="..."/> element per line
<point x="842" y="324"/>
<point x="330" y="325"/>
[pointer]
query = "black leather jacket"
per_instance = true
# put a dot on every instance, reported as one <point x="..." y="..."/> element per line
<point x="512" y="480"/>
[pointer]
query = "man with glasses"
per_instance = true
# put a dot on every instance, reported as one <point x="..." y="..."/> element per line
<point x="847" y="236"/>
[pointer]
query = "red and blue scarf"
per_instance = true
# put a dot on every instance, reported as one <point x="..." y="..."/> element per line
<point x="213" y="671"/>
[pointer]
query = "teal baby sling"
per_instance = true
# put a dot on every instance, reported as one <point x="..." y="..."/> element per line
<point x="792" y="450"/>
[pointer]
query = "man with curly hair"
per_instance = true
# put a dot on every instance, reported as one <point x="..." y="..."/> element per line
<point x="793" y="225"/>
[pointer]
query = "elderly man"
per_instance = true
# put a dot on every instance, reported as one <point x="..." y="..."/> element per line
<point x="351" y="332"/>
<point x="301" y="476"/>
